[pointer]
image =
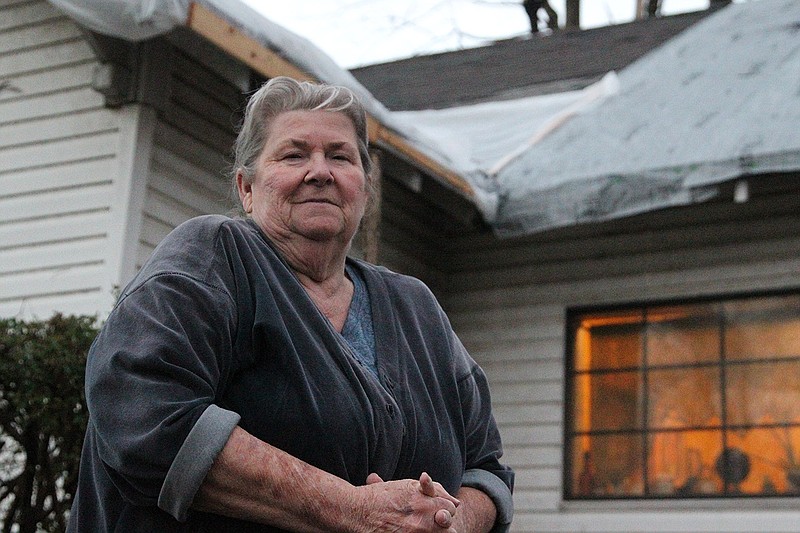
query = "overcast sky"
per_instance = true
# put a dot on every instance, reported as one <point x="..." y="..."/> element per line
<point x="361" y="32"/>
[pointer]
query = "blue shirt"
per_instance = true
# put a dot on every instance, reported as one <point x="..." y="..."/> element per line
<point x="357" y="330"/>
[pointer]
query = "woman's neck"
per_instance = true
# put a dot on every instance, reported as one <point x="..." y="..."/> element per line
<point x="319" y="266"/>
<point x="332" y="298"/>
<point x="321" y="262"/>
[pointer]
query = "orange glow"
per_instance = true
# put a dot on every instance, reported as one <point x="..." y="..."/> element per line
<point x="583" y="403"/>
<point x="651" y="387"/>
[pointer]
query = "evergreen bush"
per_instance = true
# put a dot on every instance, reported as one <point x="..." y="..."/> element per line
<point x="42" y="419"/>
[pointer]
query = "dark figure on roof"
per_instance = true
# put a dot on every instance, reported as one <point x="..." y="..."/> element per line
<point x="532" y="8"/>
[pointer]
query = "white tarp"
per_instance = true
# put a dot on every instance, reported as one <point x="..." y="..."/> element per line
<point x="138" y="20"/>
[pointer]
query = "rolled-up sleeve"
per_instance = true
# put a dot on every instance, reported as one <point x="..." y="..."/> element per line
<point x="153" y="376"/>
<point x="498" y="492"/>
<point x="484" y="470"/>
<point x="195" y="457"/>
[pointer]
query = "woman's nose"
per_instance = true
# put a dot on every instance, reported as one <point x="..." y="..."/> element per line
<point x="319" y="171"/>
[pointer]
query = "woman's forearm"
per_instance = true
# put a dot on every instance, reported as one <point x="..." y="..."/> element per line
<point x="257" y="482"/>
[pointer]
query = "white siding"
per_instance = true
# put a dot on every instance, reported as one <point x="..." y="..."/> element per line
<point x="104" y="185"/>
<point x="58" y="148"/>
<point x="178" y="189"/>
<point x="190" y="156"/>
<point x="508" y="301"/>
<point x="410" y="235"/>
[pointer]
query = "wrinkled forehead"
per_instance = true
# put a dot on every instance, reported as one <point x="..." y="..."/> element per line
<point x="319" y="126"/>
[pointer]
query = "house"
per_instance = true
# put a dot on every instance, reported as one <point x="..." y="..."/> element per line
<point x="619" y="250"/>
<point x="635" y="296"/>
<point x="115" y="130"/>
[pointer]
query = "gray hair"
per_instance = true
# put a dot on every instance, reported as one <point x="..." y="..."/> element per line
<point x="282" y="94"/>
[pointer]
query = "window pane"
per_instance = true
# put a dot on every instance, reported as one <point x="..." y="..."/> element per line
<point x="607" y="465"/>
<point x="763" y="393"/>
<point x="762" y="328"/>
<point x="607" y="401"/>
<point x="609" y="341"/>
<point x="681" y="463"/>
<point x="682" y="334"/>
<point x="768" y="451"/>
<point x="683" y="398"/>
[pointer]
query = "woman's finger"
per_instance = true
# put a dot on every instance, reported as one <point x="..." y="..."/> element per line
<point x="430" y="488"/>
<point x="426" y="485"/>
<point x="374" y="478"/>
<point x="443" y="518"/>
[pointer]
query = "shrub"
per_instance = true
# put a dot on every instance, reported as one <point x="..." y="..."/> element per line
<point x="42" y="419"/>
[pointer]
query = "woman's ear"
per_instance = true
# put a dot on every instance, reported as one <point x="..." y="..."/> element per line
<point x="245" y="188"/>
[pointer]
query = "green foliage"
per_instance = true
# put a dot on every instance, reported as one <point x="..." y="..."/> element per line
<point x="42" y="419"/>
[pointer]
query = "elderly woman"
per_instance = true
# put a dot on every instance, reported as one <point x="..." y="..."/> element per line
<point x="252" y="377"/>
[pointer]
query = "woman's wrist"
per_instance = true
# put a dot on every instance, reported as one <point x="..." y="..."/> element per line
<point x="477" y="512"/>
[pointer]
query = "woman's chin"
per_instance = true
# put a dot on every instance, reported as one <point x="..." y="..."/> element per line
<point x="322" y="231"/>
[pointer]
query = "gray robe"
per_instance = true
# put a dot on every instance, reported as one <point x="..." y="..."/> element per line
<point x="216" y="331"/>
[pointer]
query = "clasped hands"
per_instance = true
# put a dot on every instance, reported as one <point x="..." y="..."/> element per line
<point x="422" y="505"/>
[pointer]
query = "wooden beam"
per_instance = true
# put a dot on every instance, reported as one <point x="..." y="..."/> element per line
<point x="251" y="52"/>
<point x="382" y="136"/>
<point x="371" y="222"/>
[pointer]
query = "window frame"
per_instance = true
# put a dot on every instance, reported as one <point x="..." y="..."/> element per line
<point x="571" y="467"/>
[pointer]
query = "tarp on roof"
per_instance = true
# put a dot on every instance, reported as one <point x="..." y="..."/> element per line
<point x="718" y="101"/>
<point x="139" y="20"/>
<point x="485" y="138"/>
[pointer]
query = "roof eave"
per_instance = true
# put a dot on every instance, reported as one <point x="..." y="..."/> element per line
<point x="267" y="62"/>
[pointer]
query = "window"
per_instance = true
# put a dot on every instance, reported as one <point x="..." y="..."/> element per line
<point x="700" y="399"/>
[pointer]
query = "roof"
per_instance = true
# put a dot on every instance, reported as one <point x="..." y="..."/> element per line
<point x="719" y="101"/>
<point x="538" y="64"/>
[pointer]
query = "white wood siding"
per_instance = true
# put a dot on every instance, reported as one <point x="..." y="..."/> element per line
<point x="191" y="152"/>
<point x="179" y="187"/>
<point x="58" y="149"/>
<point x="508" y="301"/>
<point x="410" y="238"/>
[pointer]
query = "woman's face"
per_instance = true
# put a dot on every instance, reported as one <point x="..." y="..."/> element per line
<point x="308" y="179"/>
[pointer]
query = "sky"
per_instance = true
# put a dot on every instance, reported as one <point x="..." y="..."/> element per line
<point x="363" y="32"/>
